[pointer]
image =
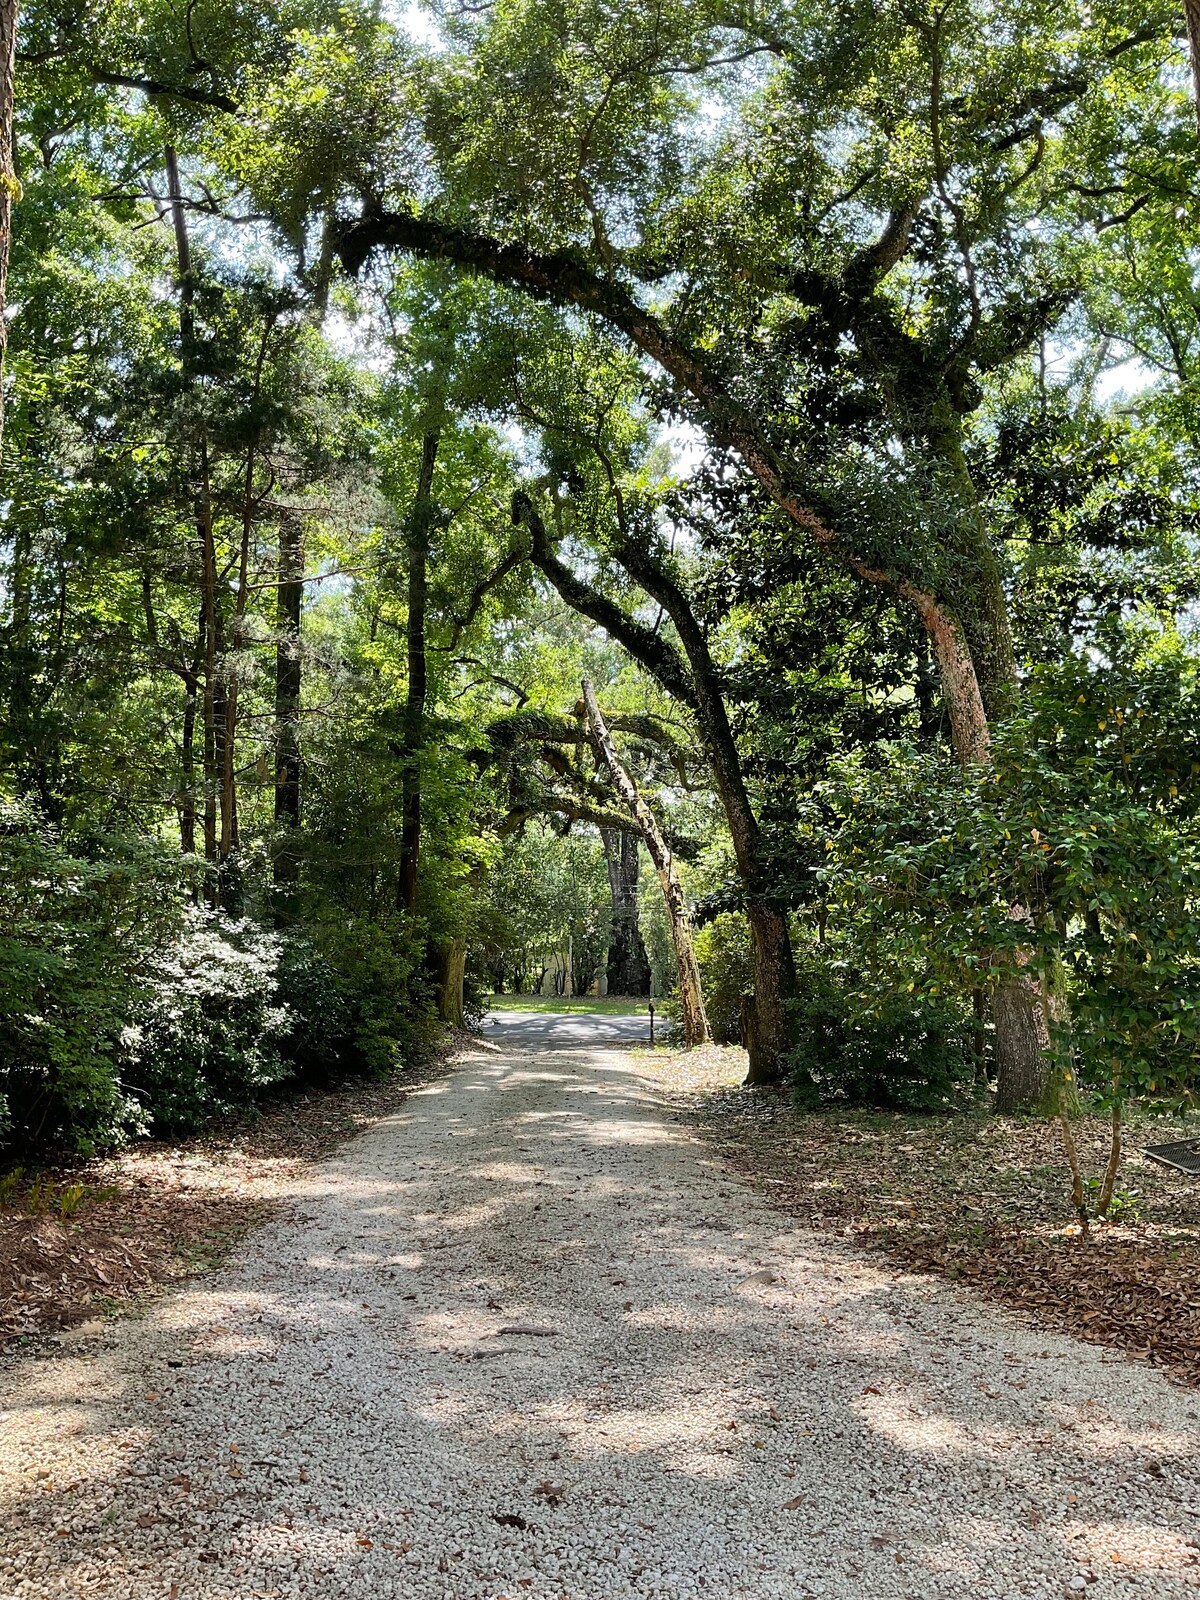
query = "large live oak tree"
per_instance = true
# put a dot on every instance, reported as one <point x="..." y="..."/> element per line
<point x="748" y="322"/>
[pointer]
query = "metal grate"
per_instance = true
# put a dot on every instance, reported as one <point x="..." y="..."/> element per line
<point x="1183" y="1154"/>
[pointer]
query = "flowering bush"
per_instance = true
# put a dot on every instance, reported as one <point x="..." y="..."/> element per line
<point x="127" y="1009"/>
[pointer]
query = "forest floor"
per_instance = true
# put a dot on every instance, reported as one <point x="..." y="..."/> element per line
<point x="973" y="1198"/>
<point x="528" y="1336"/>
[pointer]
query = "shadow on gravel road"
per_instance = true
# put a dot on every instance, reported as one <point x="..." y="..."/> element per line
<point x="525" y="1330"/>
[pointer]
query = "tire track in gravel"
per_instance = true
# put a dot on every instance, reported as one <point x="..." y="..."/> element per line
<point x="527" y="1339"/>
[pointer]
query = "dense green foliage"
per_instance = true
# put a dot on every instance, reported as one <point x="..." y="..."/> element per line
<point x="820" y="380"/>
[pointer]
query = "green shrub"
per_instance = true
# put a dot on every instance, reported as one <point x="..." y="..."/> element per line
<point x="726" y="972"/>
<point x="374" y="1009"/>
<point x="125" y="1009"/>
<point x="895" y="1051"/>
<point x="209" y="1030"/>
<point x="75" y="929"/>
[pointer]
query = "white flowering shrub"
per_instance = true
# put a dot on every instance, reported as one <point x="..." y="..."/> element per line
<point x="125" y="1009"/>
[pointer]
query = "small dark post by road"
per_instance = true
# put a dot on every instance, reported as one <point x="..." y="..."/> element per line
<point x="651" y="1010"/>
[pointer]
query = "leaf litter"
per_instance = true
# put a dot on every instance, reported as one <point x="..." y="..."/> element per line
<point x="976" y="1199"/>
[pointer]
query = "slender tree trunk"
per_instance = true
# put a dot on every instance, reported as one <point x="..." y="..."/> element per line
<point x="418" y="677"/>
<point x="212" y="690"/>
<point x="628" y="967"/>
<point x="695" y="1020"/>
<point x="187" y="759"/>
<point x="10" y="188"/>
<point x="229" y="795"/>
<point x="203" y="509"/>
<point x="289" y="601"/>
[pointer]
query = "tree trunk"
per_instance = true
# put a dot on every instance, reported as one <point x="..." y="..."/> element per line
<point x="203" y="510"/>
<point x="451" y="974"/>
<point x="187" y="757"/>
<point x="628" y="967"/>
<point x="212" y="696"/>
<point x="229" y="795"/>
<point x="1021" y="1041"/>
<point x="419" y="529"/>
<point x="1020" y="1075"/>
<point x="695" y="1020"/>
<point x="768" y="1038"/>
<point x="1191" y="12"/>
<point x="289" y="601"/>
<point x="9" y="187"/>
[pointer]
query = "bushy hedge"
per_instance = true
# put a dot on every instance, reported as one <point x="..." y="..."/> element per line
<point x="893" y="1050"/>
<point x="126" y="1009"/>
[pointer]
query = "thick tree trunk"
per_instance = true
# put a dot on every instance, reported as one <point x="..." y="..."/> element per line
<point x="451" y="974"/>
<point x="768" y="1031"/>
<point x="1022" y="1065"/>
<point x="9" y="186"/>
<point x="628" y="967"/>
<point x="691" y="996"/>
<point x="418" y="677"/>
<point x="289" y="603"/>
<point x="1021" y="1041"/>
<point x="1021" y="1074"/>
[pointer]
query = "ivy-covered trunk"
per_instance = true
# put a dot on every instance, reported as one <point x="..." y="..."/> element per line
<point x="984" y="649"/>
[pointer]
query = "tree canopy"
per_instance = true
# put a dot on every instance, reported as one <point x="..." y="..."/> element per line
<point x="818" y="381"/>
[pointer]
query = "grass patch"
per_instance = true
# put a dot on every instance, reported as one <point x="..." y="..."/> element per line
<point x="612" y="1005"/>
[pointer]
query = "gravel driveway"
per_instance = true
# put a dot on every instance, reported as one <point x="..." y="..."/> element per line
<point x="525" y="1338"/>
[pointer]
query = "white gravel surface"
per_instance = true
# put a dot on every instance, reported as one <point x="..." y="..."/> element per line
<point x="526" y="1338"/>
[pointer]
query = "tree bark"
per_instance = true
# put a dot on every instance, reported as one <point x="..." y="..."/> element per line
<point x="1021" y="1040"/>
<point x="691" y="996"/>
<point x="1191" y="12"/>
<point x="628" y="967"/>
<point x="419" y="528"/>
<point x="203" y="512"/>
<point x="1020" y="1075"/>
<point x="288" y="682"/>
<point x="10" y="188"/>
<point x="229" y="795"/>
<point x="451" y="975"/>
<point x="187" y="759"/>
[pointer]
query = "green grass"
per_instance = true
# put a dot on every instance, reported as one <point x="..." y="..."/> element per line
<point x="615" y="1006"/>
